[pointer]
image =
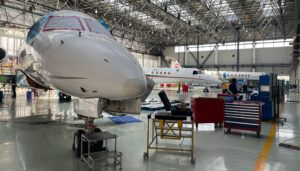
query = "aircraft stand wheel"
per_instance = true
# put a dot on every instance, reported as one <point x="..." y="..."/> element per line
<point x="193" y="160"/>
<point x="257" y="134"/>
<point x="228" y="131"/>
<point x="145" y="156"/>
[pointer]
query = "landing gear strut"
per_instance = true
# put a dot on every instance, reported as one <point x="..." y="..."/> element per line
<point x="89" y="128"/>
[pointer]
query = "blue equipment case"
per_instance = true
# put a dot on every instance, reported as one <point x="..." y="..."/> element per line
<point x="265" y="96"/>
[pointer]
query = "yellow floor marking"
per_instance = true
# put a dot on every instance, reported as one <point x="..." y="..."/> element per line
<point x="261" y="161"/>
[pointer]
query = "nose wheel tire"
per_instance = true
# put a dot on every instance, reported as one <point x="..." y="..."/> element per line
<point x="98" y="146"/>
<point x="95" y="147"/>
<point x="77" y="143"/>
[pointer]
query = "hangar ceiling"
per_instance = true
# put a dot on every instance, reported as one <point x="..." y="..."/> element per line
<point x="170" y="22"/>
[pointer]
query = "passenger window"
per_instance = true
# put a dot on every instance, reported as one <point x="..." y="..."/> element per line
<point x="63" y="23"/>
<point x="195" y="72"/>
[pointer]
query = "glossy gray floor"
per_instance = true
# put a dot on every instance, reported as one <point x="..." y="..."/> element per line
<point x="32" y="139"/>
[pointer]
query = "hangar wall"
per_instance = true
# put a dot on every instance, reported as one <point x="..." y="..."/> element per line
<point x="277" y="55"/>
<point x="147" y="61"/>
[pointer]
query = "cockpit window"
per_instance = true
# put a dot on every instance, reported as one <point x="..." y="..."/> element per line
<point x="36" y="28"/>
<point x="96" y="27"/>
<point x="63" y="23"/>
<point x="197" y="72"/>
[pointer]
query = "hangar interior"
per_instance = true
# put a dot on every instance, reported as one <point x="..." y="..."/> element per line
<point x="220" y="36"/>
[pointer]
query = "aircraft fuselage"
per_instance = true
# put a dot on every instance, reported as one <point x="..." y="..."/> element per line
<point x="73" y="53"/>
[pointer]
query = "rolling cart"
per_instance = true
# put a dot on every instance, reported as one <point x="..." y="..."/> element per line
<point x="111" y="158"/>
<point x="243" y="115"/>
<point x="164" y="125"/>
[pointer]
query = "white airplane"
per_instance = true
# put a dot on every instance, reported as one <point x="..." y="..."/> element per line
<point x="224" y="75"/>
<point x="180" y="75"/>
<point x="72" y="52"/>
<point x="227" y="75"/>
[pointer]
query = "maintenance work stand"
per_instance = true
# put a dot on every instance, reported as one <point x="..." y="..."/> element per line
<point x="107" y="157"/>
<point x="165" y="126"/>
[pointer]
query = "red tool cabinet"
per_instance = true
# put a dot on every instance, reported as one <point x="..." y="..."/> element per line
<point x="208" y="110"/>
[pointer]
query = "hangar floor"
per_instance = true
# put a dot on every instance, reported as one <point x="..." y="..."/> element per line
<point x="32" y="139"/>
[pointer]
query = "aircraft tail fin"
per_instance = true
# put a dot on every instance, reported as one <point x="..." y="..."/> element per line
<point x="175" y="64"/>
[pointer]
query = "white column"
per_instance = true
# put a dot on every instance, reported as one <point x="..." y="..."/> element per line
<point x="216" y="55"/>
<point x="297" y="80"/>
<point x="253" y="55"/>
<point x="143" y="59"/>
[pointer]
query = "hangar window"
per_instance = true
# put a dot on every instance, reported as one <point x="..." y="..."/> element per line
<point x="96" y="27"/>
<point x="63" y="23"/>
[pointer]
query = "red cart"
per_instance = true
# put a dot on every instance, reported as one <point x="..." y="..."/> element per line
<point x="208" y="110"/>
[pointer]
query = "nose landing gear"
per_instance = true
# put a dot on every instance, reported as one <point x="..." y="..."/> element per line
<point x="89" y="128"/>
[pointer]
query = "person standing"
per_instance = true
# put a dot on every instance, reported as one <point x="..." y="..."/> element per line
<point x="232" y="87"/>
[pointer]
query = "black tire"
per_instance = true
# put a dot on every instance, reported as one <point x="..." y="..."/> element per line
<point x="60" y="99"/>
<point x="70" y="98"/>
<point x="77" y="145"/>
<point x="98" y="146"/>
<point x="206" y="90"/>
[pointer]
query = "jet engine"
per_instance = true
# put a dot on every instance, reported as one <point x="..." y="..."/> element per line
<point x="2" y="54"/>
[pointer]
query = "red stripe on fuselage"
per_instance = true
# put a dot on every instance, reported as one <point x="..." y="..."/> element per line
<point x="160" y="76"/>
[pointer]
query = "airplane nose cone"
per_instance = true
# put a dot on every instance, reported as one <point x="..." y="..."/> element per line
<point x="134" y="87"/>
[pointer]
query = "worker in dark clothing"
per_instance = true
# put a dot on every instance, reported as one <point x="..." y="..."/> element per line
<point x="13" y="88"/>
<point x="232" y="87"/>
